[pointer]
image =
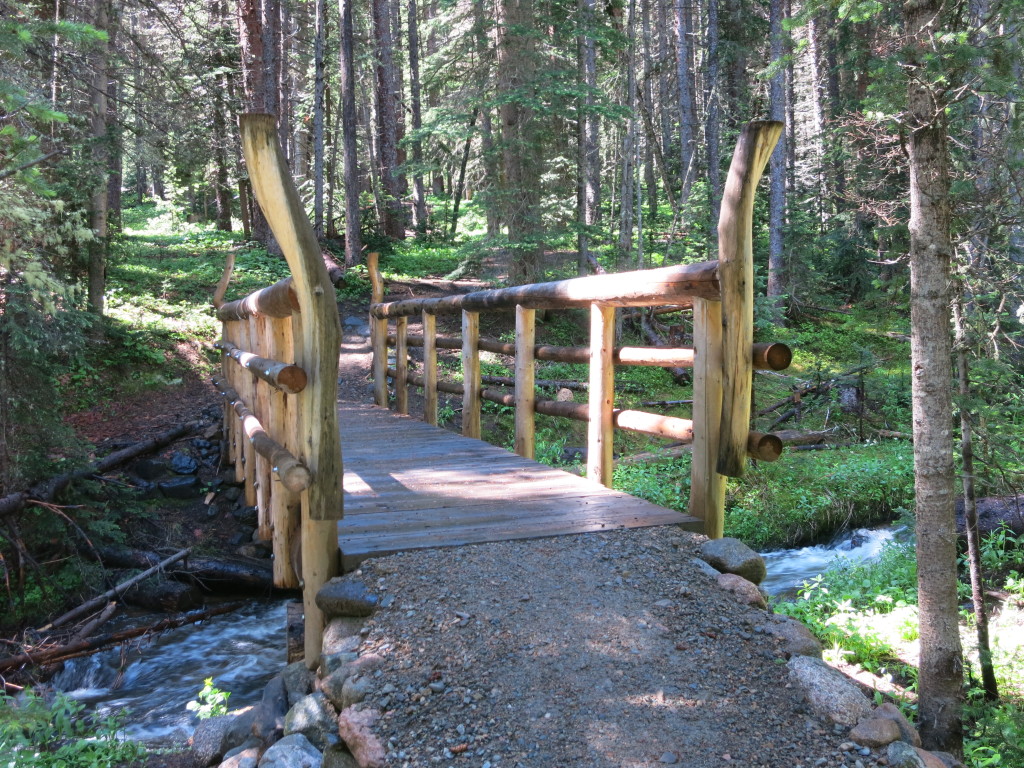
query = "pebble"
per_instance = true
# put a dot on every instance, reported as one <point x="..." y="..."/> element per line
<point x="669" y="758"/>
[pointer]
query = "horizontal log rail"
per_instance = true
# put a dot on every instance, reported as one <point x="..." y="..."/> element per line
<point x="287" y="377"/>
<point x="773" y="356"/>
<point x="277" y="300"/>
<point x="290" y="471"/>
<point x="623" y="289"/>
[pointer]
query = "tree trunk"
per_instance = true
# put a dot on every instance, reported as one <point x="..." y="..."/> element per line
<point x="116" y="135"/>
<point x="517" y="62"/>
<point x="627" y="192"/>
<point x="319" y="80"/>
<point x="387" y="101"/>
<point x="687" y="106"/>
<point x="353" y="238"/>
<point x="988" y="676"/>
<point x="941" y="665"/>
<point x="419" y="195"/>
<point x="588" y="150"/>
<point x="712" y="127"/>
<point x="777" y="163"/>
<point x="101" y="160"/>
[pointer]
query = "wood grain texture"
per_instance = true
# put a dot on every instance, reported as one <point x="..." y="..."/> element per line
<point x="601" y="426"/>
<point x="525" y="372"/>
<point x="736" y="276"/>
<point x="429" y="368"/>
<point x="707" y="486"/>
<point x="412" y="486"/>
<point x="470" y="375"/>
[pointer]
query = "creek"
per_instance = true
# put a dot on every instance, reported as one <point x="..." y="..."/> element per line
<point x="242" y="650"/>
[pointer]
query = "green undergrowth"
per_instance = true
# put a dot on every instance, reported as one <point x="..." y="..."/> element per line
<point x="865" y="614"/>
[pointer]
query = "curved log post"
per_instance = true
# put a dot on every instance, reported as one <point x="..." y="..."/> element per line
<point x="736" y="276"/>
<point x="316" y="351"/>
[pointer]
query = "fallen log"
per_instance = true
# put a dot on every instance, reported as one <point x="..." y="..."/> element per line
<point x="815" y="390"/>
<point x="681" y="375"/>
<point x="83" y="647"/>
<point x="897" y="435"/>
<point x="231" y="572"/>
<point x="49" y="490"/>
<point x="116" y="592"/>
<point x="796" y="437"/>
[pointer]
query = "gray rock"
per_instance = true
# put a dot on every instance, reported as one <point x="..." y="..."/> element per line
<point x="185" y="487"/>
<point x="315" y="718"/>
<point x="268" y="723"/>
<point x="730" y="555"/>
<point x="875" y="732"/>
<point x="209" y="739"/>
<point x="183" y="464"/>
<point x="298" y="681"/>
<point x="332" y="662"/>
<point x="149" y="469"/>
<point x="908" y="732"/>
<point x="293" y="751"/>
<point x="339" y="757"/>
<point x="902" y="755"/>
<point x="240" y="730"/>
<point x="704" y="568"/>
<point x="354" y="690"/>
<point x="830" y="693"/>
<point x="746" y="592"/>
<point x="344" y="596"/>
<point x="342" y="635"/>
<point x="950" y="761"/>
<point x="794" y="638"/>
<point x="245" y="756"/>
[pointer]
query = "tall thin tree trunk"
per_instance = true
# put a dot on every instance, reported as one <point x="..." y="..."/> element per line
<point x="353" y="239"/>
<point x="319" y="83"/>
<point x="588" y="197"/>
<point x="101" y="160"/>
<point x="940" y="672"/>
<point x="777" y="163"/>
<point x="687" y="111"/>
<point x="627" y="193"/>
<point x="387" y="101"/>
<point x="988" y="676"/>
<point x="419" y="195"/>
<point x="712" y="126"/>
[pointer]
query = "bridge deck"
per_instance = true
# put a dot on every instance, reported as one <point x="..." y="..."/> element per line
<point x="409" y="485"/>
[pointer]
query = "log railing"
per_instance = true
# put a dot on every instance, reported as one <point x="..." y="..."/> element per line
<point x="723" y="358"/>
<point x="279" y="377"/>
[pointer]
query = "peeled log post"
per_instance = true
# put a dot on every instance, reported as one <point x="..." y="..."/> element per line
<point x="378" y="331"/>
<point x="290" y="470"/>
<point x="287" y="377"/>
<point x="707" y="486"/>
<point x="316" y="351"/>
<point x="471" y="375"/>
<point x="600" y="431"/>
<point x="525" y="391"/>
<point x="277" y="300"/>
<point x="736" y="275"/>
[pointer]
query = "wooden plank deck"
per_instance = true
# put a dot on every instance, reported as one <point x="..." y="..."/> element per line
<point x="409" y="485"/>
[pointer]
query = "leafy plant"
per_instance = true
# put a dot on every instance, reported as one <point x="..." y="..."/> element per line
<point x="211" y="701"/>
<point x="36" y="733"/>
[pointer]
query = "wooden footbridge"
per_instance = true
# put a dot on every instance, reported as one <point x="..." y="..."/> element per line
<point x="407" y="484"/>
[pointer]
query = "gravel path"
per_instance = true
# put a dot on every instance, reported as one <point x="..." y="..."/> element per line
<point x="608" y="650"/>
<point x="596" y="650"/>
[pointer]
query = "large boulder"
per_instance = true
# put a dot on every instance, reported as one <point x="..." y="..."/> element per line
<point x="793" y="637"/>
<point x="355" y="729"/>
<point x="346" y="596"/>
<point x="730" y="555"/>
<point x="341" y="635"/>
<point x="298" y="681"/>
<point x="875" y="732"/>
<point x="745" y="592"/>
<point x="293" y="751"/>
<point x="903" y="755"/>
<point x="908" y="732"/>
<point x="246" y="755"/>
<point x="831" y="694"/>
<point x="209" y="742"/>
<point x="339" y="757"/>
<point x="315" y="718"/>
<point x="268" y="722"/>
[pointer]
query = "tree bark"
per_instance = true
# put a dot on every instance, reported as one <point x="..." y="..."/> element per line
<point x="517" y="62"/>
<point x="627" y="192"/>
<point x="419" y="195"/>
<point x="101" y="159"/>
<point x="712" y="126"/>
<point x="941" y="665"/>
<point x="777" y="163"/>
<point x="588" y="147"/>
<point x="319" y="82"/>
<point x="353" y="237"/>
<point x="387" y="101"/>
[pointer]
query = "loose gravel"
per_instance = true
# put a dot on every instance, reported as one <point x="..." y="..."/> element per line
<point x="600" y="650"/>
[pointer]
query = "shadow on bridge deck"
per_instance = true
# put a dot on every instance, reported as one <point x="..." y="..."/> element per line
<point x="409" y="485"/>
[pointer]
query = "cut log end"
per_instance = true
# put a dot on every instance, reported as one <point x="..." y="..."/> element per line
<point x="764" y="447"/>
<point x="292" y="379"/>
<point x="772" y="357"/>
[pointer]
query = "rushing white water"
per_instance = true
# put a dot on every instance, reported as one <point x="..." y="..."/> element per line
<point x="789" y="568"/>
<point x="240" y="650"/>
